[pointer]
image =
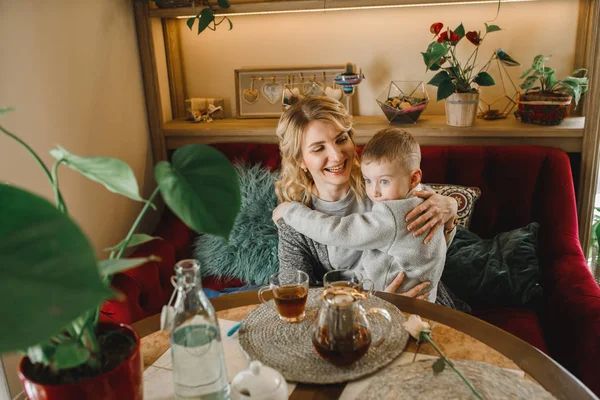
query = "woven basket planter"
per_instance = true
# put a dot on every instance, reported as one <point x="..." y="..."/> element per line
<point x="543" y="109"/>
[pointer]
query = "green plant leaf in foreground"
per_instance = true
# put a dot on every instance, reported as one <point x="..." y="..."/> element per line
<point x="201" y="187"/>
<point x="69" y="354"/>
<point x="41" y="353"/>
<point x="6" y="110"/>
<point x="111" y="267"/>
<point x="47" y="266"/>
<point x="136" y="240"/>
<point x="113" y="173"/>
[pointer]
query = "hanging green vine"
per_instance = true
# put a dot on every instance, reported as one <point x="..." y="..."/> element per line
<point x="206" y="15"/>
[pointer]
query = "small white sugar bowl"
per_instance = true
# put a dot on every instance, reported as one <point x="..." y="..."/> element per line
<point x="259" y="382"/>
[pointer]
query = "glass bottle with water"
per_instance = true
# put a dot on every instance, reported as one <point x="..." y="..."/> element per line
<point x="196" y="348"/>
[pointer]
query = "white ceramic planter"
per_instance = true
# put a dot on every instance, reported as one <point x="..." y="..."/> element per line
<point x="461" y="109"/>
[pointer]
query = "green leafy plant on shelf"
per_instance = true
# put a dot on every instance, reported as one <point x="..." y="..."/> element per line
<point x="455" y="76"/>
<point x="541" y="79"/>
<point x="206" y="16"/>
<point x="51" y="284"/>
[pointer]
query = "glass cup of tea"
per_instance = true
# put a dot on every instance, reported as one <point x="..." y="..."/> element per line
<point x="290" y="292"/>
<point x="348" y="278"/>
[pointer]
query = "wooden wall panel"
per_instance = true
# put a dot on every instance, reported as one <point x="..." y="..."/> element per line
<point x="150" y="76"/>
<point x="172" y="33"/>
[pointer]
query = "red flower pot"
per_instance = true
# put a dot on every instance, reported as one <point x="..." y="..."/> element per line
<point x="122" y="382"/>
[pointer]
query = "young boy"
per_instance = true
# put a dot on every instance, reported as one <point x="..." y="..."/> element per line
<point x="390" y="165"/>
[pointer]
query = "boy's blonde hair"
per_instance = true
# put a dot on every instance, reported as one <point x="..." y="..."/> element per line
<point x="393" y="145"/>
<point x="294" y="184"/>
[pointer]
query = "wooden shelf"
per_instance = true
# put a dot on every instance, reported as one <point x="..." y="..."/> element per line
<point x="278" y="6"/>
<point x="430" y="130"/>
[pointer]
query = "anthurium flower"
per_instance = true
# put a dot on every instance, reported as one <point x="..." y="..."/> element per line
<point x="473" y="37"/>
<point x="457" y="77"/>
<point x="436" y="28"/>
<point x="448" y="36"/>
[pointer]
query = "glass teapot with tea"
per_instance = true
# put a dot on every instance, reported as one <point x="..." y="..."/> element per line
<point x="342" y="334"/>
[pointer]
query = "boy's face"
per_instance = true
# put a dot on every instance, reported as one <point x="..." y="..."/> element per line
<point x="386" y="180"/>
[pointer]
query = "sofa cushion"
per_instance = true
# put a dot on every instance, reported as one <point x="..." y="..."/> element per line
<point x="503" y="271"/>
<point x="172" y="230"/>
<point x="464" y="196"/>
<point x="521" y="322"/>
<point x="251" y="253"/>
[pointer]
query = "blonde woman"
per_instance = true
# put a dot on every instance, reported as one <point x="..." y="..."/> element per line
<point x="320" y="168"/>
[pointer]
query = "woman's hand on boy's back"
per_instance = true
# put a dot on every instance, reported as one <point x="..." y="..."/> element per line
<point x="414" y="292"/>
<point x="279" y="210"/>
<point x="433" y="213"/>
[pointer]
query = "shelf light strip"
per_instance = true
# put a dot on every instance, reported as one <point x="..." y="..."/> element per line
<point x="361" y="8"/>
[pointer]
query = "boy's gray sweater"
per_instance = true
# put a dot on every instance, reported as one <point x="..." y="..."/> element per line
<point x="375" y="236"/>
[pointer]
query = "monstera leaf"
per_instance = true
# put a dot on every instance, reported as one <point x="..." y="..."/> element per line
<point x="48" y="270"/>
<point x="201" y="187"/>
<point x="113" y="173"/>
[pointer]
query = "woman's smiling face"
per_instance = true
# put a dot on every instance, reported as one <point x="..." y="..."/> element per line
<point x="328" y="154"/>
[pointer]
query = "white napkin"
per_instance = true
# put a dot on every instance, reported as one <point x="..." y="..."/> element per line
<point x="158" y="378"/>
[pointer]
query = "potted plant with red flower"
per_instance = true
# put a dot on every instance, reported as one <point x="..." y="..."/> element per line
<point x="545" y="100"/>
<point x="458" y="83"/>
<point x="52" y="286"/>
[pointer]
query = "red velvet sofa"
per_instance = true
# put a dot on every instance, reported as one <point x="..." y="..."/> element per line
<point x="519" y="184"/>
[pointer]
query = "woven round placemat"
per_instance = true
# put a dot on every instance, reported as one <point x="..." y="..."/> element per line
<point x="418" y="381"/>
<point x="288" y="347"/>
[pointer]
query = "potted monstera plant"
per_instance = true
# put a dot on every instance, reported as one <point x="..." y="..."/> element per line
<point x="546" y="100"/>
<point x="52" y="286"/>
<point x="458" y="82"/>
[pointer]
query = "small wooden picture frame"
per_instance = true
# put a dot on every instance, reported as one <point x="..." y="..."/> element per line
<point x="259" y="92"/>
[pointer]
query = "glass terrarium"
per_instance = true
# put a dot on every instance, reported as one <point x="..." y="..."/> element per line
<point x="403" y="101"/>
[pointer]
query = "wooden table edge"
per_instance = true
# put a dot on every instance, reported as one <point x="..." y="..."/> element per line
<point x="547" y="372"/>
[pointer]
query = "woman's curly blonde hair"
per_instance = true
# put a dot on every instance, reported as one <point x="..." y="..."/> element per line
<point x="294" y="184"/>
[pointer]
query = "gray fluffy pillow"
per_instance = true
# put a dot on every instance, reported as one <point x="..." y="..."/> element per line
<point x="251" y="254"/>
